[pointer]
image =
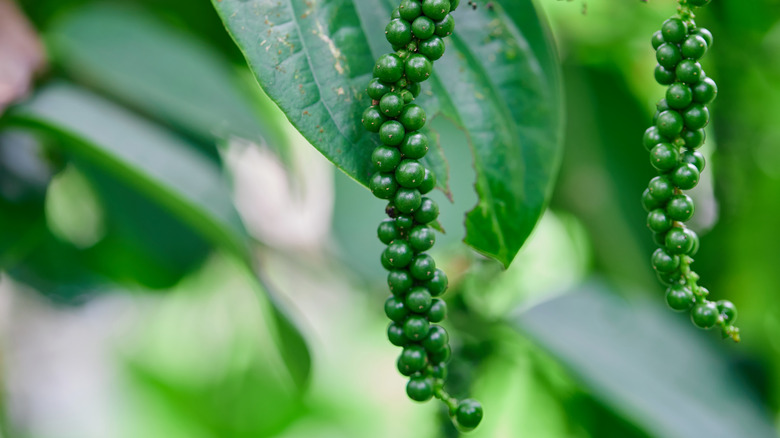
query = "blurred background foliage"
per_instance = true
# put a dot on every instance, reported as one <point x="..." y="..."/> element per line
<point x="168" y="241"/>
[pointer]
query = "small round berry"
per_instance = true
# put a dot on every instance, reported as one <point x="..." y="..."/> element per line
<point x="387" y="232"/>
<point x="428" y="182"/>
<point x="658" y="221"/>
<point x="416" y="327"/>
<point x="657" y="39"/>
<point x="695" y="239"/>
<point x="415" y="145"/>
<point x="439" y="371"/>
<point x="469" y="413"/>
<point x="404" y="222"/>
<point x="445" y="26"/>
<point x="418" y="300"/>
<point x="396" y="336"/>
<point x="432" y="48"/>
<point x="399" y="281"/>
<point x="383" y="185"/>
<point x="680" y="208"/>
<point x="385" y="261"/>
<point x="399" y="253"/>
<point x="414" y="88"/>
<point x="661" y="188"/>
<point x="440" y="356"/>
<point x="407" y="96"/>
<point x="423" y="267"/>
<point x="412" y="117"/>
<point x="686" y="176"/>
<point x="668" y="55"/>
<point x="694" y="47"/>
<point x="674" y="30"/>
<point x="389" y="68"/>
<point x="705" y="315"/>
<point x="398" y="32"/>
<point x="679" y="95"/>
<point x="649" y="203"/>
<point x="372" y="119"/>
<point x="391" y="133"/>
<point x="412" y="359"/>
<point x="704" y="33"/>
<point x="385" y="158"/>
<point x="423" y="28"/>
<point x="436" y="9"/>
<point x="409" y="173"/>
<point x="659" y="238"/>
<point x="410" y="9"/>
<point x="727" y="311"/>
<point x="428" y="211"/>
<point x="652" y="137"/>
<point x="693" y="139"/>
<point x="417" y="67"/>
<point x="696" y="116"/>
<point x="705" y="91"/>
<point x="420" y="388"/>
<point x="670" y="123"/>
<point x="679" y="297"/>
<point x="688" y="71"/>
<point x="437" y="339"/>
<point x="664" y="262"/>
<point x="407" y="200"/>
<point x="376" y="89"/>
<point x="664" y="157"/>
<point x="438" y="310"/>
<point x="669" y="278"/>
<point x="438" y="284"/>
<point x="391" y="104"/>
<point x="663" y="75"/>
<point x="422" y="238"/>
<point x="694" y="157"/>
<point x="395" y="14"/>
<point x="678" y="241"/>
<point x="395" y="309"/>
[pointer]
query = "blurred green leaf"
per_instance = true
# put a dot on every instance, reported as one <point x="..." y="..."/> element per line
<point x="648" y="365"/>
<point x="164" y="72"/>
<point x="315" y="59"/>
<point x="148" y="158"/>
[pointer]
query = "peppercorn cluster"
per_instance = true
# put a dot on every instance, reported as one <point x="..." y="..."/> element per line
<point x="673" y="142"/>
<point x="416" y="33"/>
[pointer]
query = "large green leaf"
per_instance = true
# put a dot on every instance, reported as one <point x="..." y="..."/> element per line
<point x="165" y="72"/>
<point x="150" y="159"/>
<point x="653" y="368"/>
<point x="499" y="83"/>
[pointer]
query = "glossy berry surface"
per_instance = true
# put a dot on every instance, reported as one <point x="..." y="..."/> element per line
<point x="664" y="262"/>
<point x="438" y="310"/>
<point x="416" y="327"/>
<point x="398" y="32"/>
<point x="445" y="27"/>
<point x="372" y="119"/>
<point x="469" y="413"/>
<point x="391" y="133"/>
<point x="419" y="389"/>
<point x="686" y="176"/>
<point x="418" y="68"/>
<point x="385" y="158"/>
<point x="674" y="30"/>
<point x="432" y="48"/>
<point x="705" y="315"/>
<point x="680" y="208"/>
<point x="415" y="145"/>
<point x="399" y="281"/>
<point x="436" y="9"/>
<point x="412" y="117"/>
<point x="423" y="27"/>
<point x="409" y="173"/>
<point x="389" y="68"/>
<point x="678" y="241"/>
<point x="383" y="185"/>
<point x="679" y="297"/>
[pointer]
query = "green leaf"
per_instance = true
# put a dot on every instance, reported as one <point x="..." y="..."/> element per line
<point x="167" y="73"/>
<point x="144" y="156"/>
<point x="499" y="83"/>
<point x="648" y="365"/>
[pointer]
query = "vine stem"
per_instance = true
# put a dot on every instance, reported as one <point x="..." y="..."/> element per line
<point x="450" y="401"/>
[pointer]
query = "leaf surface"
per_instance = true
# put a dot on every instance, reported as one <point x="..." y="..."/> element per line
<point x="498" y="82"/>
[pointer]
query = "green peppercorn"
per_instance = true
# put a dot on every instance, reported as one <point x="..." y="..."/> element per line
<point x="372" y="119"/>
<point x="417" y="67"/>
<point x="661" y="188"/>
<point x="421" y="238"/>
<point x="679" y="95"/>
<point x="688" y="71"/>
<point x="438" y="284"/>
<point x="387" y="231"/>
<point x="445" y="26"/>
<point x="680" y="208"/>
<point x="665" y="262"/>
<point x="678" y="241"/>
<point x="663" y="75"/>
<point x="395" y="309"/>
<point x="399" y="281"/>
<point x="389" y="68"/>
<point x="438" y="310"/>
<point x="416" y="327"/>
<point x="693" y="157"/>
<point x="693" y="139"/>
<point x="664" y="157"/>
<point x="414" y="145"/>
<point x="705" y="91"/>
<point x="694" y="47"/>
<point x="392" y="133"/>
<point x="428" y="182"/>
<point x="437" y="339"/>
<point x="727" y="311"/>
<point x="469" y="414"/>
<point x="436" y="9"/>
<point x="668" y="55"/>
<point x="427" y="212"/>
<point x="398" y="32"/>
<point x="679" y="297"/>
<point x="432" y="48"/>
<point x="652" y="137"/>
<point x="383" y="185"/>
<point x="399" y="253"/>
<point x="686" y="176"/>
<point x="657" y="39"/>
<point x="412" y="359"/>
<point x="670" y="123"/>
<point x="409" y="173"/>
<point x="386" y="158"/>
<point x="396" y="336"/>
<point x="422" y="267"/>
<point x="407" y="200"/>
<point x="658" y="221"/>
<point x="649" y="203"/>
<point x="410" y="9"/>
<point x="412" y="117"/>
<point x="423" y="28"/>
<point x="418" y="300"/>
<point x="705" y="315"/>
<point x="419" y="389"/>
<point x="391" y="104"/>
